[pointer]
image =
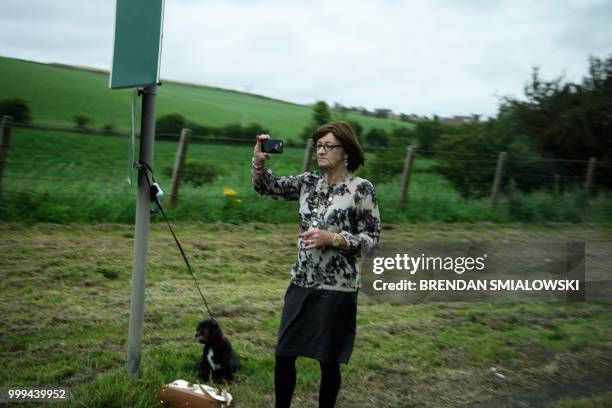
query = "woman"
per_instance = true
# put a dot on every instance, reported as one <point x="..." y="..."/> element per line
<point x="339" y="219"/>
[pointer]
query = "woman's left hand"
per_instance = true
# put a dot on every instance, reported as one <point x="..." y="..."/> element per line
<point x="315" y="238"/>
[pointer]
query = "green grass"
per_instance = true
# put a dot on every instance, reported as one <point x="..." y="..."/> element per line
<point x="599" y="401"/>
<point x="66" y="177"/>
<point x="57" y="93"/>
<point x="65" y="309"/>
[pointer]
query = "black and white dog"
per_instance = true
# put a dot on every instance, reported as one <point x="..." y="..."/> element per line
<point x="218" y="356"/>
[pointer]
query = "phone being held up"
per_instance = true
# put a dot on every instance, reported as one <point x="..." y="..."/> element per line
<point x="272" y="146"/>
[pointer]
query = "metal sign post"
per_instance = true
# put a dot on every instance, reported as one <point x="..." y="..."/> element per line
<point x="137" y="51"/>
<point x="141" y="233"/>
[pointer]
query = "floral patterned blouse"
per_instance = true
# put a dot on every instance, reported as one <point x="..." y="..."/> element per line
<point x="348" y="208"/>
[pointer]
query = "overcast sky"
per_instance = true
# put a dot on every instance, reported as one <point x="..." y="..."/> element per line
<point x="440" y="57"/>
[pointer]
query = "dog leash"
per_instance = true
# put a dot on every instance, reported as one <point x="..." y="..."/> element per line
<point x="154" y="191"/>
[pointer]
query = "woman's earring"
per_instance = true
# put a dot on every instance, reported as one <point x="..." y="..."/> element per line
<point x="345" y="163"/>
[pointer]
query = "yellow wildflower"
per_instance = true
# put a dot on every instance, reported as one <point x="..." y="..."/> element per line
<point x="229" y="191"/>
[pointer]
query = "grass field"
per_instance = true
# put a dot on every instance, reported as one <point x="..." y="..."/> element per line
<point x="57" y="93"/>
<point x="64" y="314"/>
<point x="65" y="177"/>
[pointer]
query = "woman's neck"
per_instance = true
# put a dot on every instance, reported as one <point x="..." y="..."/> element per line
<point x="337" y="174"/>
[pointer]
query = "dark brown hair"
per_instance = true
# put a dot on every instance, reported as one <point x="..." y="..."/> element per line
<point x="346" y="136"/>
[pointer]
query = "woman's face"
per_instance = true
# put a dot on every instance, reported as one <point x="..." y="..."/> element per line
<point x="332" y="158"/>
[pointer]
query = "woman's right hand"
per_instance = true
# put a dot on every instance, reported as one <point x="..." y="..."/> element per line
<point x="259" y="156"/>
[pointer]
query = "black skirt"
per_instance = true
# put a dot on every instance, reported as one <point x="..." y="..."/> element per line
<point x="317" y="323"/>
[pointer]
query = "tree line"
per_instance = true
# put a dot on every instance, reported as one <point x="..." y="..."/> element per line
<point x="551" y="132"/>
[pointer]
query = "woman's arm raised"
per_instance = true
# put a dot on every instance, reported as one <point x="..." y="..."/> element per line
<point x="259" y="159"/>
<point x="265" y="183"/>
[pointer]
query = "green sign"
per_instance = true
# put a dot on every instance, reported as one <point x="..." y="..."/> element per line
<point x="138" y="37"/>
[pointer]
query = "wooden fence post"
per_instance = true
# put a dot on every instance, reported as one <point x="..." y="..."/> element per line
<point x="406" y="176"/>
<point x="307" y="156"/>
<point x="501" y="159"/>
<point x="178" y="166"/>
<point x="588" y="180"/>
<point x="5" y="133"/>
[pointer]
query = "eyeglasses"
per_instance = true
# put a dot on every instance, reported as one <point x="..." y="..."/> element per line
<point x="326" y="147"/>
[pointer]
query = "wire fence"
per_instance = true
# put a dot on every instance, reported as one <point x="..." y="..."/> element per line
<point x="33" y="167"/>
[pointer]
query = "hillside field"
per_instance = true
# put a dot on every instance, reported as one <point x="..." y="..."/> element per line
<point x="56" y="93"/>
<point x="70" y="177"/>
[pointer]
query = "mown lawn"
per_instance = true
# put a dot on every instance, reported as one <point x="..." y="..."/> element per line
<point x="65" y="303"/>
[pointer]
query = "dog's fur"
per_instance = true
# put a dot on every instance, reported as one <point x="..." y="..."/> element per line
<point x="218" y="357"/>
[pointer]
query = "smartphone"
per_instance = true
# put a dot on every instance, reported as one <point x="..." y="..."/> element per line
<point x="272" y="146"/>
